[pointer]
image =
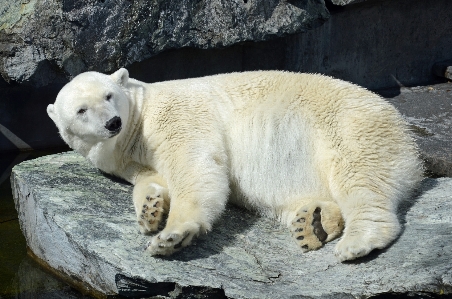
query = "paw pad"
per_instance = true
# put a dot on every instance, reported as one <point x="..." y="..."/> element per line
<point x="151" y="213"/>
<point x="317" y="223"/>
<point x="307" y="229"/>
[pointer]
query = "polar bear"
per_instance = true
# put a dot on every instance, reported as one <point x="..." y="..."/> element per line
<point x="325" y="157"/>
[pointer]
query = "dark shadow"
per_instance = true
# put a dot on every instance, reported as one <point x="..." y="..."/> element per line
<point x="333" y="8"/>
<point x="192" y="62"/>
<point x="31" y="125"/>
<point x="395" y="91"/>
<point x="415" y="295"/>
<point x="135" y="287"/>
<point x="389" y="92"/>
<point x="114" y="178"/>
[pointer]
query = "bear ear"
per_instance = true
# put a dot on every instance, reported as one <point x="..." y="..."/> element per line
<point x="51" y="112"/>
<point x="121" y="76"/>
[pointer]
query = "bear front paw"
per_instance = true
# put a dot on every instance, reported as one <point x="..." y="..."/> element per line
<point x="150" y="207"/>
<point x="171" y="240"/>
<point x="151" y="214"/>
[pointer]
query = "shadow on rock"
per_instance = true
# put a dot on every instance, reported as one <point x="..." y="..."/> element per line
<point x="233" y="223"/>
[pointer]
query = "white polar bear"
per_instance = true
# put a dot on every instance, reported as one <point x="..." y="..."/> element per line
<point x="316" y="152"/>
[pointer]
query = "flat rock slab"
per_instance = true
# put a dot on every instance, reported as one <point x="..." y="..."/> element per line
<point x="429" y="110"/>
<point x="82" y="223"/>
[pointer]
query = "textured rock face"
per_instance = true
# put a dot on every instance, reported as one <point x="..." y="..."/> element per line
<point x="48" y="41"/>
<point x="82" y="223"/>
<point x="45" y="43"/>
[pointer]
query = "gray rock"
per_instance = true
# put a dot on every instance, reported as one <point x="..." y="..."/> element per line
<point x="429" y="110"/>
<point x="82" y="223"/>
<point x="44" y="42"/>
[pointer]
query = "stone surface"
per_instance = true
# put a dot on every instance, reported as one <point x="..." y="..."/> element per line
<point x="48" y="41"/>
<point x="429" y="110"/>
<point x="82" y="223"/>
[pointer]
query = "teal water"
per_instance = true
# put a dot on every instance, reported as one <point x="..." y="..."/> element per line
<point x="20" y="276"/>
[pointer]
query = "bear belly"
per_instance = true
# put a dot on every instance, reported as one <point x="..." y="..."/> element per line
<point x="273" y="160"/>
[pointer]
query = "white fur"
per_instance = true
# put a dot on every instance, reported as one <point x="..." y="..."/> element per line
<point x="279" y="141"/>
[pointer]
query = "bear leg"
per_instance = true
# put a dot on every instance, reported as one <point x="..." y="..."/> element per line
<point x="317" y="223"/>
<point x="151" y="202"/>
<point x="187" y="219"/>
<point x="366" y="229"/>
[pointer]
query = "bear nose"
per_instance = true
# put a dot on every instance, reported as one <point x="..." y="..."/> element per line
<point x="114" y="124"/>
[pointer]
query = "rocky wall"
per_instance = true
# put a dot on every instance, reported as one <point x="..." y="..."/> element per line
<point x="374" y="43"/>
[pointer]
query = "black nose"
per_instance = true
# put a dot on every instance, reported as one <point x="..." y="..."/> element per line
<point x="114" y="124"/>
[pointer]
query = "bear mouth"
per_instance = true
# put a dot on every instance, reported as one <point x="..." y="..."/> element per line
<point x="114" y="133"/>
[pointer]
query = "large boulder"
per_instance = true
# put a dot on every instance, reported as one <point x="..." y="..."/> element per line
<point x="81" y="224"/>
<point x="44" y="42"/>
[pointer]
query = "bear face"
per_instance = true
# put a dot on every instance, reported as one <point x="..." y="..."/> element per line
<point x="92" y="108"/>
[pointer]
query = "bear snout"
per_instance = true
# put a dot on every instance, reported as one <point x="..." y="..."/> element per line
<point x="114" y="125"/>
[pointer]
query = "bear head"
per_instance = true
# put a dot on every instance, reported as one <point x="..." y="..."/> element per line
<point x="91" y="108"/>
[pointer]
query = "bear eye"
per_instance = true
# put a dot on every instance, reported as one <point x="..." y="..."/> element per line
<point x="108" y="97"/>
<point x="81" y="111"/>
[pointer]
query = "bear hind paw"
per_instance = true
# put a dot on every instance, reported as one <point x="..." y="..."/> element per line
<point x="316" y="224"/>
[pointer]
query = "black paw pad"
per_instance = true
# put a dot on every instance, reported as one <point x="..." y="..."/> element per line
<point x="317" y="224"/>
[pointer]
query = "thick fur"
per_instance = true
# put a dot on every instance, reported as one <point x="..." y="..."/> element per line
<point x="316" y="152"/>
